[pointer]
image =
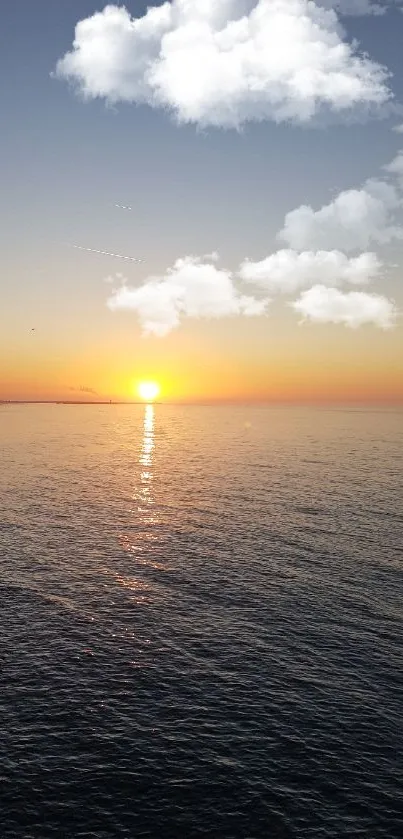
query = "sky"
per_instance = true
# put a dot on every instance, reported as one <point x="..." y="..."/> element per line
<point x="247" y="154"/>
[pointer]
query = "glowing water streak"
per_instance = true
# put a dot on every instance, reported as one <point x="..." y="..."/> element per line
<point x="148" y="439"/>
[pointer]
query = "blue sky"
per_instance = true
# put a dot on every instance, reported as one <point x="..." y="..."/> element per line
<point x="192" y="189"/>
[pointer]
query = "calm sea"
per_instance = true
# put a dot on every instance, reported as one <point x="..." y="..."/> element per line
<point x="201" y="627"/>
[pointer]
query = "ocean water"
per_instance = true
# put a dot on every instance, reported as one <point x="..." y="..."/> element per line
<point x="201" y="625"/>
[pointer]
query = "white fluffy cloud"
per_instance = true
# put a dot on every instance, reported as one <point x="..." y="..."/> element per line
<point x="354" y="219"/>
<point x="353" y="308"/>
<point x="286" y="271"/>
<point x="192" y="288"/>
<point x="395" y="167"/>
<point x="198" y="289"/>
<point x="224" y="63"/>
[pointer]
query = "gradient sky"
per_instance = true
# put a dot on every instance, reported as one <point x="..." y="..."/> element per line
<point x="66" y="163"/>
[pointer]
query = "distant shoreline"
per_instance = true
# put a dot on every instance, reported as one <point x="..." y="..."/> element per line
<point x="63" y="402"/>
<point x="229" y="404"/>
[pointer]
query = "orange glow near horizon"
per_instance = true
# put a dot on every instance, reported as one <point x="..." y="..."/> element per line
<point x="187" y="370"/>
<point x="271" y="385"/>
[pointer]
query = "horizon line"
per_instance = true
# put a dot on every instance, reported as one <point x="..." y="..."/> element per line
<point x="214" y="402"/>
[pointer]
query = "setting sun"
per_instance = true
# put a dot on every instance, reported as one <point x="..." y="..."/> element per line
<point x="148" y="391"/>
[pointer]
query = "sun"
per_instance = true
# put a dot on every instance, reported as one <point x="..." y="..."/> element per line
<point x="148" y="391"/>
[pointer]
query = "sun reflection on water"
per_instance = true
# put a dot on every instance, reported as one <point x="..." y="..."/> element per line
<point x="144" y="495"/>
<point x="145" y="517"/>
<point x="148" y="441"/>
<point x="143" y="534"/>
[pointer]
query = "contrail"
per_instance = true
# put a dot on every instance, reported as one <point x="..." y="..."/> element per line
<point x="122" y="207"/>
<point x="107" y="253"/>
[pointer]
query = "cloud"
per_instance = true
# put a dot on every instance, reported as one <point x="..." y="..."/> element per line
<point x="197" y="289"/>
<point x="286" y="271"/>
<point x="112" y="279"/>
<point x="353" y="309"/>
<point x="225" y="63"/>
<point x="355" y="8"/>
<point x="398" y="128"/>
<point x="354" y="219"/>
<point x="192" y="288"/>
<point x="358" y="8"/>
<point x="395" y="167"/>
<point x="82" y="389"/>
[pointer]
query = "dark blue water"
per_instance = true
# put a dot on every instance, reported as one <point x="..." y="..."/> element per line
<point x="201" y="623"/>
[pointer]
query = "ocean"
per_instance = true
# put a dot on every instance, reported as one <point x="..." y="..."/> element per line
<point x="201" y="627"/>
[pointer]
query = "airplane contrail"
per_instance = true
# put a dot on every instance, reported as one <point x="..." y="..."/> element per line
<point x="122" y="207"/>
<point x="107" y="253"/>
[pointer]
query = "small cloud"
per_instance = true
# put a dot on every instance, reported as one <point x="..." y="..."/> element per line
<point x="191" y="288"/>
<point x="354" y="219"/>
<point x="286" y="271"/>
<point x="355" y="8"/>
<point x="359" y="8"/>
<point x="83" y="389"/>
<point x="353" y="309"/>
<point x="227" y="63"/>
<point x="115" y="278"/>
<point x="398" y="128"/>
<point x="395" y="167"/>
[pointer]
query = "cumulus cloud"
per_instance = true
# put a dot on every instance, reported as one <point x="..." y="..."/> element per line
<point x="395" y="167"/>
<point x="198" y="289"/>
<point x="354" y="219"/>
<point x="353" y="309"/>
<point x="286" y="271"/>
<point x="192" y="288"/>
<point x="398" y="128"/>
<point x="225" y="63"/>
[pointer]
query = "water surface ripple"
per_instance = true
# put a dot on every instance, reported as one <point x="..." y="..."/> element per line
<point x="201" y="623"/>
